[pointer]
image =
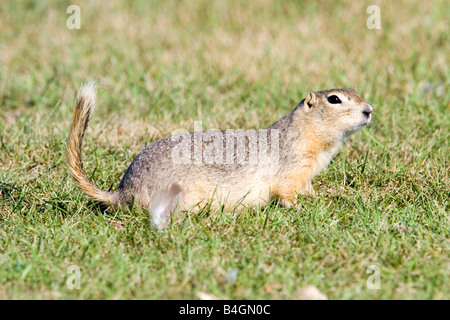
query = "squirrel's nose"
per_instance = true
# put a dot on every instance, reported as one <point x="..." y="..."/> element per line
<point x="367" y="111"/>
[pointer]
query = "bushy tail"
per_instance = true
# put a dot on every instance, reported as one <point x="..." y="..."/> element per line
<point x="84" y="105"/>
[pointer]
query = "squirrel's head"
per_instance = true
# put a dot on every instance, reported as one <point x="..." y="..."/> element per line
<point x="341" y="110"/>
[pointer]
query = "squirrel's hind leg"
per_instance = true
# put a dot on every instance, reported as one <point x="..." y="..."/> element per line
<point x="164" y="204"/>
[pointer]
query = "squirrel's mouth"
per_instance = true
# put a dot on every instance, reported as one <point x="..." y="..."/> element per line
<point x="362" y="124"/>
<point x="359" y="126"/>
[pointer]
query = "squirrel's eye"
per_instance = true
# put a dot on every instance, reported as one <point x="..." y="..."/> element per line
<point x="334" y="100"/>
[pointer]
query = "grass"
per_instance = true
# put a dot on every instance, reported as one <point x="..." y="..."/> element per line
<point x="383" y="201"/>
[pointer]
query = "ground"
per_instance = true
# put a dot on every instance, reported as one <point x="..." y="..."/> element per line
<point x="378" y="226"/>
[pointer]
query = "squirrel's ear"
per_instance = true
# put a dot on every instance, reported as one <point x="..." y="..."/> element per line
<point x="310" y="100"/>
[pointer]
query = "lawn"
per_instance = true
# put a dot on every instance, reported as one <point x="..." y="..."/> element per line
<point x="378" y="226"/>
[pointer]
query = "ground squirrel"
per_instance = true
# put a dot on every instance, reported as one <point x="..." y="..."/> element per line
<point x="228" y="168"/>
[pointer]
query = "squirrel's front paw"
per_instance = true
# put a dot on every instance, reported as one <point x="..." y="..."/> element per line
<point x="288" y="203"/>
<point x="308" y="190"/>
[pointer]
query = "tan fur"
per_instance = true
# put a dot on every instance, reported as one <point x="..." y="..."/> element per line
<point x="309" y="136"/>
<point x="81" y="115"/>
